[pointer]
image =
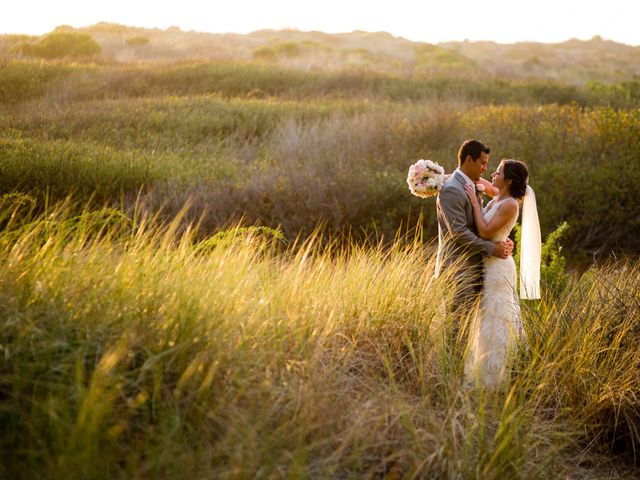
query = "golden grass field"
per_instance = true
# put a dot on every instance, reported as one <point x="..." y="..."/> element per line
<point x="214" y="269"/>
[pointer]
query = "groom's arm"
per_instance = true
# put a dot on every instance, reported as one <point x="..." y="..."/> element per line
<point x="452" y="205"/>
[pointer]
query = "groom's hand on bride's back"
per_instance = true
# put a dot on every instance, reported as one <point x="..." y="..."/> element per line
<point x="503" y="249"/>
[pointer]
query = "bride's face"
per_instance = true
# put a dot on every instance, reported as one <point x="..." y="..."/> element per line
<point x="498" y="178"/>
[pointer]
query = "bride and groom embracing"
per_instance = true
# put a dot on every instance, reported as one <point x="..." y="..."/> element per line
<point x="474" y="241"/>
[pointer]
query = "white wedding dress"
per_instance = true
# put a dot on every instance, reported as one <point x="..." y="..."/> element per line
<point x="497" y="324"/>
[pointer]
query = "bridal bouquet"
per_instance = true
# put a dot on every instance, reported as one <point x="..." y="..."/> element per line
<point x="425" y="178"/>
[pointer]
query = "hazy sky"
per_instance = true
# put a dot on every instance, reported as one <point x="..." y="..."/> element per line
<point x="504" y="21"/>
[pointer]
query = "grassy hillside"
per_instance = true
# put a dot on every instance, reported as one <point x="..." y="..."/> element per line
<point x="293" y="149"/>
<point x="574" y="62"/>
<point x="214" y="267"/>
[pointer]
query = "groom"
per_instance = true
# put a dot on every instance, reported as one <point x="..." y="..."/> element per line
<point x="458" y="240"/>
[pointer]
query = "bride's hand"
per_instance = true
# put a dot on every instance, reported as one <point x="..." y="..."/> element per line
<point x="471" y="193"/>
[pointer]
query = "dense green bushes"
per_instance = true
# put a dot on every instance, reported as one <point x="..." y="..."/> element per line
<point x="583" y="164"/>
<point x="138" y="41"/>
<point x="53" y="170"/>
<point x="343" y="163"/>
<point x="250" y="79"/>
<point x="60" y="44"/>
<point x="319" y="159"/>
<point x="22" y="81"/>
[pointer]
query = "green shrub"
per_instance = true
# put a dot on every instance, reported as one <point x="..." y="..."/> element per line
<point x="554" y="277"/>
<point x="583" y="167"/>
<point x="61" y="44"/>
<point x="58" y="169"/>
<point x="263" y="52"/>
<point x="553" y="267"/>
<point x="22" y="81"/>
<point x="137" y="41"/>
<point x="436" y="59"/>
<point x="287" y="49"/>
<point x="284" y="49"/>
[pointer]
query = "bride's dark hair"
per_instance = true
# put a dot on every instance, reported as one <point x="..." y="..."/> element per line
<point x="517" y="172"/>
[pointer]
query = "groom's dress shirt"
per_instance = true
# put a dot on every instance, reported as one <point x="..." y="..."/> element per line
<point x="471" y="183"/>
<point x="466" y="178"/>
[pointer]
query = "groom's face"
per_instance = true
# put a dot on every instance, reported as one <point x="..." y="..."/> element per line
<point x="477" y="167"/>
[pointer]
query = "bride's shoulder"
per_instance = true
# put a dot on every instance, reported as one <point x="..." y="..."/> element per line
<point x="509" y="205"/>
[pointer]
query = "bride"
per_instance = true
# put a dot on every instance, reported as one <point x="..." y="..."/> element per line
<point x="498" y="325"/>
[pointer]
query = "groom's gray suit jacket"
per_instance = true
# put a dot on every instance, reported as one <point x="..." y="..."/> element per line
<point x="458" y="240"/>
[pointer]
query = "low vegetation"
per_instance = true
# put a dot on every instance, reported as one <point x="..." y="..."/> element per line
<point x="296" y="163"/>
<point x="214" y="268"/>
<point x="130" y="349"/>
<point x="61" y="44"/>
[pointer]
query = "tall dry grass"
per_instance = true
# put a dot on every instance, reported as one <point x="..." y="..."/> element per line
<point x="132" y="349"/>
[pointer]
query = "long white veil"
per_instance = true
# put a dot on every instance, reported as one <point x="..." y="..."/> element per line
<point x="530" y="249"/>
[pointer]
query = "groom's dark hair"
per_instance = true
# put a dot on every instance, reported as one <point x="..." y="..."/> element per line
<point x="473" y="148"/>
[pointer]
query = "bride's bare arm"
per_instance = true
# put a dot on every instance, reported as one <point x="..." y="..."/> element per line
<point x="505" y="212"/>
<point x="489" y="189"/>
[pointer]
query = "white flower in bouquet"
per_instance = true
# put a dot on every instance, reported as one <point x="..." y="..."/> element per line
<point x="425" y="178"/>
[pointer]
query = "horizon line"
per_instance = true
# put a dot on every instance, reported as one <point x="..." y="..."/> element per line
<point x="597" y="37"/>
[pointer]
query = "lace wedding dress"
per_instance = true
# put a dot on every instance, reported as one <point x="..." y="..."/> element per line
<point x="498" y="324"/>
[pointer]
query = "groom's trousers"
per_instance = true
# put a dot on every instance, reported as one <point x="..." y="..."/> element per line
<point x="468" y="287"/>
